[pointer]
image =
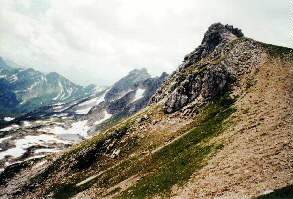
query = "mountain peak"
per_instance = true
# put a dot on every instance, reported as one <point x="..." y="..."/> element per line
<point x="142" y="71"/>
<point x="137" y="75"/>
<point x="217" y="34"/>
<point x="127" y="83"/>
<point x="53" y="74"/>
<point x="220" y="31"/>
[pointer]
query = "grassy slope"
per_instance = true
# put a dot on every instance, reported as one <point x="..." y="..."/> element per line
<point x="168" y="166"/>
<point x="177" y="161"/>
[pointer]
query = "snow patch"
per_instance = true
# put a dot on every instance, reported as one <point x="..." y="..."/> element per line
<point x="61" y="92"/>
<point x="10" y="127"/>
<point x="267" y="192"/>
<point x="83" y="111"/>
<point x="32" y="86"/>
<point x="58" y="104"/>
<point x="40" y="163"/>
<point x="7" y="119"/>
<point x="13" y="78"/>
<point x="88" y="102"/>
<point x="91" y="103"/>
<point x="106" y="116"/>
<point x="94" y="101"/>
<point x="138" y="94"/>
<point x="27" y="124"/>
<point x="5" y="138"/>
<point x="21" y="145"/>
<point x="87" y="180"/>
<point x="78" y="128"/>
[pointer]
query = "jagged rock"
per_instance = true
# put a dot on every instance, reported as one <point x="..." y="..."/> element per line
<point x="204" y="86"/>
<point x="208" y="70"/>
<point x="217" y="34"/>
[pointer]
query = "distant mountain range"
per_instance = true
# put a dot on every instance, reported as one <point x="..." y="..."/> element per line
<point x="25" y="89"/>
<point x="105" y="107"/>
<point x="57" y="126"/>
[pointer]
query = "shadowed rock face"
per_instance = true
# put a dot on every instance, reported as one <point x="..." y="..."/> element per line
<point x="207" y="86"/>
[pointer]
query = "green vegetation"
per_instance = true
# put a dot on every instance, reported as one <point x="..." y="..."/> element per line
<point x="283" y="193"/>
<point x="159" y="171"/>
<point x="277" y="51"/>
<point x="176" y="162"/>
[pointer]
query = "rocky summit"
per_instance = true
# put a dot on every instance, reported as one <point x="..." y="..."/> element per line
<point x="217" y="127"/>
<point x="197" y="81"/>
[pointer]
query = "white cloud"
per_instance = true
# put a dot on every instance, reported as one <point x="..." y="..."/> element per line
<point x="97" y="41"/>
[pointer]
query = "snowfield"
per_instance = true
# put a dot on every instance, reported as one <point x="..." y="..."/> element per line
<point x="138" y="94"/>
<point x="21" y="145"/>
<point x="78" y="128"/>
<point x="90" y="103"/>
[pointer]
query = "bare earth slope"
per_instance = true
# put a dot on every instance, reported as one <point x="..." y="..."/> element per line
<point x="219" y="127"/>
<point x="257" y="155"/>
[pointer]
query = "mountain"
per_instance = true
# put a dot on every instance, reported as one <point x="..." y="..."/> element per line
<point x="55" y="127"/>
<point x="126" y="97"/>
<point x="127" y="83"/>
<point x="25" y="89"/>
<point x="218" y="127"/>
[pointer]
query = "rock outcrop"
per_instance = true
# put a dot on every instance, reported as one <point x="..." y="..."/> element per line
<point x="199" y="79"/>
<point x="216" y="35"/>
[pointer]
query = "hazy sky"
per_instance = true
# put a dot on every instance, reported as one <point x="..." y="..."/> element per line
<point x="99" y="41"/>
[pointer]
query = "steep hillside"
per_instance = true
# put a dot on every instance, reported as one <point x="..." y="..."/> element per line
<point x="218" y="127"/>
<point x="24" y="89"/>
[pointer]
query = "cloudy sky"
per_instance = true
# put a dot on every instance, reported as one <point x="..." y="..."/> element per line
<point x="99" y="41"/>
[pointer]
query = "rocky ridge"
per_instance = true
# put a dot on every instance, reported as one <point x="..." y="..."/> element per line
<point x="198" y="80"/>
